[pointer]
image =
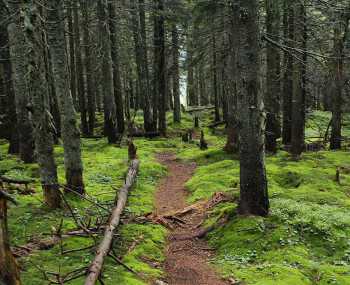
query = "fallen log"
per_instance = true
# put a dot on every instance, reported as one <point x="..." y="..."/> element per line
<point x="105" y="245"/>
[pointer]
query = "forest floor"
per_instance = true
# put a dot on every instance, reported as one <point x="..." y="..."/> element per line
<point x="187" y="258"/>
<point x="304" y="241"/>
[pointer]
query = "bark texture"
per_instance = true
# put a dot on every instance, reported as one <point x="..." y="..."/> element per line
<point x="107" y="71"/>
<point x="41" y="116"/>
<point x="272" y="96"/>
<point x="70" y="132"/>
<point x="9" y="271"/>
<point x="253" y="182"/>
<point x="19" y="61"/>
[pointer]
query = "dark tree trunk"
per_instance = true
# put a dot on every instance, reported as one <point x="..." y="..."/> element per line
<point x="42" y="118"/>
<point x="107" y="71"/>
<point x="340" y="37"/>
<point x="19" y="72"/>
<point x="79" y="70"/>
<point x="72" y="70"/>
<point x="9" y="271"/>
<point x="70" y="132"/>
<point x="160" y="67"/>
<point x="118" y="95"/>
<point x="90" y="88"/>
<point x="288" y="23"/>
<point x="140" y="42"/>
<point x="253" y="182"/>
<point x="273" y="73"/>
<point x="215" y="81"/>
<point x="176" y="74"/>
<point x="10" y="106"/>
<point x="298" y="104"/>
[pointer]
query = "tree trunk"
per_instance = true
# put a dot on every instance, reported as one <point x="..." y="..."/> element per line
<point x="340" y="37"/>
<point x="18" y="62"/>
<point x="253" y="182"/>
<point x="79" y="70"/>
<point x="10" y="106"/>
<point x="41" y="116"/>
<point x="72" y="70"/>
<point x="118" y="95"/>
<point x="288" y="23"/>
<point x="70" y="132"/>
<point x="176" y="74"/>
<point x="273" y="73"/>
<point x="160" y="67"/>
<point x="107" y="71"/>
<point x="9" y="271"/>
<point x="298" y="104"/>
<point x="215" y="81"/>
<point x="90" y="88"/>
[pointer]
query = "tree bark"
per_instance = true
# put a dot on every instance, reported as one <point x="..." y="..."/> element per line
<point x="18" y="62"/>
<point x="107" y="71"/>
<point x="9" y="271"/>
<point x="288" y="23"/>
<point x="340" y="33"/>
<point x="298" y="104"/>
<point x="114" y="220"/>
<point x="39" y="93"/>
<point x="10" y="105"/>
<point x="72" y="70"/>
<point x="90" y="88"/>
<point x="273" y="73"/>
<point x="79" y="69"/>
<point x="118" y="95"/>
<point x="160" y="67"/>
<point x="70" y="132"/>
<point x="253" y="182"/>
<point x="176" y="74"/>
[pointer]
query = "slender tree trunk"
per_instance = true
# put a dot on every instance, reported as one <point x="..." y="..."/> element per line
<point x="340" y="37"/>
<point x="190" y="78"/>
<point x="273" y="73"/>
<point x="118" y="95"/>
<point x="253" y="191"/>
<point x="79" y="70"/>
<point x="298" y="104"/>
<point x="18" y="62"/>
<point x="42" y="118"/>
<point x="107" y="71"/>
<point x="215" y="81"/>
<point x="9" y="91"/>
<point x="288" y="23"/>
<point x="9" y="271"/>
<point x="160" y="66"/>
<point x="176" y="74"/>
<point x="72" y="70"/>
<point x="70" y="132"/>
<point x="90" y="88"/>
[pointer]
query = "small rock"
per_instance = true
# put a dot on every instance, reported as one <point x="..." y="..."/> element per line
<point x="160" y="282"/>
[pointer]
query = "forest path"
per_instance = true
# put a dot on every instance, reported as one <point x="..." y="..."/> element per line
<point x="186" y="259"/>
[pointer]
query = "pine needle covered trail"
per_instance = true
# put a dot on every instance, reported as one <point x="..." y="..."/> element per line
<point x="186" y="258"/>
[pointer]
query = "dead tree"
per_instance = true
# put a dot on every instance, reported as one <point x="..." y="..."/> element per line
<point x="106" y="243"/>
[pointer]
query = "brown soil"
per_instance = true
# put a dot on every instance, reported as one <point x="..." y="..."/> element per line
<point x="186" y="259"/>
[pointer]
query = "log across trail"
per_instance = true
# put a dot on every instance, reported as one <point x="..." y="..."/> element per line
<point x="105" y="245"/>
<point x="186" y="258"/>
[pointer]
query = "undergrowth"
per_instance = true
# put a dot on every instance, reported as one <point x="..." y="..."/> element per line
<point x="305" y="240"/>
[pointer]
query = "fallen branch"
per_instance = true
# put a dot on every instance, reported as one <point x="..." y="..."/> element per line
<point x="105" y="245"/>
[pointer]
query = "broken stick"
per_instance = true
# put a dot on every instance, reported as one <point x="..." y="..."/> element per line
<point x="105" y="245"/>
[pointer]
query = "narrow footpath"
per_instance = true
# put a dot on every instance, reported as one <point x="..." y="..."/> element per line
<point x="186" y="258"/>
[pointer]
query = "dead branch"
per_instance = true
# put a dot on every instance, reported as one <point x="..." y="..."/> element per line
<point x="105" y="245"/>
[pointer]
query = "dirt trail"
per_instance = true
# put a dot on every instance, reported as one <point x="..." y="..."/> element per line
<point x="186" y="259"/>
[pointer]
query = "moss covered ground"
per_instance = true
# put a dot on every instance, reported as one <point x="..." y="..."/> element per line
<point x="305" y="240"/>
